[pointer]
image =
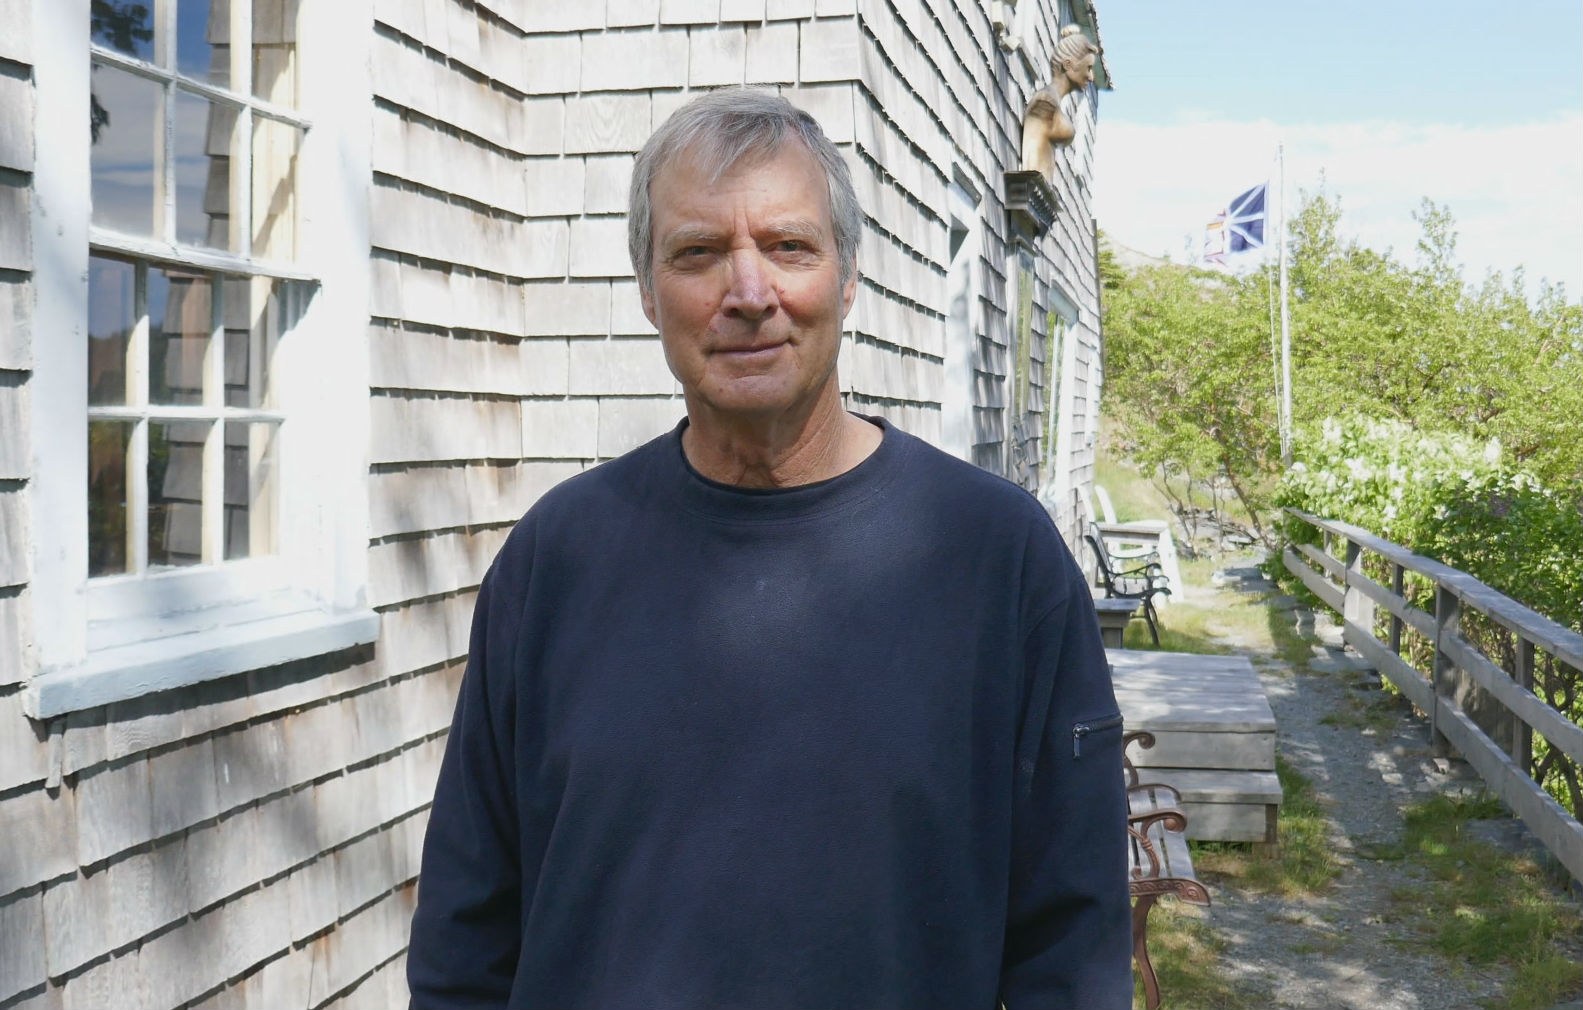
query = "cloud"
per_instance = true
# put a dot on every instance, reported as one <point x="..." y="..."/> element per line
<point x="1516" y="191"/>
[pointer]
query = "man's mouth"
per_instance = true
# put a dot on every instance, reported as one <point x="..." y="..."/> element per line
<point x="760" y="348"/>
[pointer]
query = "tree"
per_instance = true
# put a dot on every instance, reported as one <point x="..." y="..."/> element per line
<point x="1189" y="376"/>
<point x="1189" y="369"/>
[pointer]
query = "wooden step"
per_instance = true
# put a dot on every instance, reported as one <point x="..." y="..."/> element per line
<point x="1214" y="737"/>
<point x="1223" y="806"/>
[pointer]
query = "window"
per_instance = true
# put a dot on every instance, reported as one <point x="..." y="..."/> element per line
<point x="190" y="533"/>
<point x="192" y="149"/>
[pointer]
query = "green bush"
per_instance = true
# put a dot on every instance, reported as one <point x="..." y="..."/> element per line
<point x="1513" y="534"/>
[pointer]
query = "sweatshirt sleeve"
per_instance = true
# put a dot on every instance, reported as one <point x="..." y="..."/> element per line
<point x="466" y="931"/>
<point x="1068" y="930"/>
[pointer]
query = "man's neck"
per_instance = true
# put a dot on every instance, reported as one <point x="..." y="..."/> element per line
<point x="779" y="452"/>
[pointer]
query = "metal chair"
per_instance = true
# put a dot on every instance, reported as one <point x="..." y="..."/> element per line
<point x="1143" y="582"/>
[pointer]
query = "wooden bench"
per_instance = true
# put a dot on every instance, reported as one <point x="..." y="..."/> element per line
<point x="1160" y="863"/>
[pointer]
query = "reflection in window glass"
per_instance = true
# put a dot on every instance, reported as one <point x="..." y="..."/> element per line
<point x="275" y="149"/>
<point x="112" y="314"/>
<point x="203" y="40"/>
<point x="175" y="492"/>
<point x="180" y="320"/>
<point x="249" y="488"/>
<point x="252" y="319"/>
<point x="202" y="153"/>
<point x="126" y="27"/>
<point x="107" y="529"/>
<point x="275" y="51"/>
<point x="125" y="121"/>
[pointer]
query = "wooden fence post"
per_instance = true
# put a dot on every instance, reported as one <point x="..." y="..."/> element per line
<point x="1356" y="608"/>
<point x="1396" y="622"/>
<point x="1522" y="733"/>
<point x="1447" y="611"/>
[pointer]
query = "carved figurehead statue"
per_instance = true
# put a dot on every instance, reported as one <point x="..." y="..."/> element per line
<point x="1045" y="126"/>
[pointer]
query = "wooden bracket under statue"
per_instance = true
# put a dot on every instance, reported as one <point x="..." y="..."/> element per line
<point x="1030" y="204"/>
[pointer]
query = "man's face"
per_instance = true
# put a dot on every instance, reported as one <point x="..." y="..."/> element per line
<point x="746" y="289"/>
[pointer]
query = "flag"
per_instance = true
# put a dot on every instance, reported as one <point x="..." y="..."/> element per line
<point x="1239" y="228"/>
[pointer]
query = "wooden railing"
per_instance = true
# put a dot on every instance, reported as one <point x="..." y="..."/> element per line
<point x="1470" y="698"/>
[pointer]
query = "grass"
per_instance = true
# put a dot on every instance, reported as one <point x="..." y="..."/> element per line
<point x="1185" y="953"/>
<point x="1221" y="621"/>
<point x="1133" y="494"/>
<point x="1301" y="863"/>
<point x="1372" y="717"/>
<point x="1484" y="905"/>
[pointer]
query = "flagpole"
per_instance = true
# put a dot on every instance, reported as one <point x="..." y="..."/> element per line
<point x="1286" y="326"/>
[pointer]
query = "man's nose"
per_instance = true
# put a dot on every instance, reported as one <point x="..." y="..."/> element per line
<point x="751" y="294"/>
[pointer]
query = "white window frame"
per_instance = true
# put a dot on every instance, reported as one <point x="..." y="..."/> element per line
<point x="106" y="640"/>
<point x="1062" y="308"/>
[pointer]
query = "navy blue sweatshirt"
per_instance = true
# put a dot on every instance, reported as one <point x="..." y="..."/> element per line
<point x="848" y="745"/>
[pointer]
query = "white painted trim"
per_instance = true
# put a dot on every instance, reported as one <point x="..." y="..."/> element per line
<point x="227" y="647"/>
<point x="135" y="598"/>
<point x="111" y="242"/>
<point x="962" y="281"/>
<point x="310" y="597"/>
<point x="58" y="415"/>
<point x="230" y="98"/>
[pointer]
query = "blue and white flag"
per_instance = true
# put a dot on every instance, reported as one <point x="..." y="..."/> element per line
<point x="1239" y="228"/>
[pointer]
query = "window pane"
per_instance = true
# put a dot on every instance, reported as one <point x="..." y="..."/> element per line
<point x="251" y="319"/>
<point x="275" y="51"/>
<point x="180" y="322"/>
<point x="249" y="489"/>
<point x="204" y="132"/>
<point x="203" y="35"/>
<point x="175" y="492"/>
<point x="107" y="531"/>
<point x="112" y="314"/>
<point x="275" y="149"/>
<point x="126" y="27"/>
<point x="124" y="111"/>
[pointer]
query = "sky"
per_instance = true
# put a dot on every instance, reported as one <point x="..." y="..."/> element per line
<point x="1476" y="106"/>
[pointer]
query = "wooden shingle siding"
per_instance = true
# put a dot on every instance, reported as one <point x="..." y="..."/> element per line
<point x="14" y="630"/>
<point x="419" y="499"/>
<point x="35" y="832"/>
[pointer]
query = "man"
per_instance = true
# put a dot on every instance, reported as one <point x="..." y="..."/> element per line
<point x="784" y="709"/>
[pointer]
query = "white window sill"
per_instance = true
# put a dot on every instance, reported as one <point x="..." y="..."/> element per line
<point x="159" y="654"/>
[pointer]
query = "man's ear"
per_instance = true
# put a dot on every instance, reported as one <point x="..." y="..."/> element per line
<point x="649" y="308"/>
<point x="849" y="291"/>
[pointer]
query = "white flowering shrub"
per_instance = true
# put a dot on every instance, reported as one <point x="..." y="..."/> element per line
<point x="1377" y="474"/>
<point x="1446" y="497"/>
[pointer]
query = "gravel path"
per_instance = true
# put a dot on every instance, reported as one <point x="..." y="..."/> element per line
<point x="1355" y="947"/>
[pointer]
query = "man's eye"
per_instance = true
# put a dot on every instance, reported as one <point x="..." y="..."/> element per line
<point x="791" y="245"/>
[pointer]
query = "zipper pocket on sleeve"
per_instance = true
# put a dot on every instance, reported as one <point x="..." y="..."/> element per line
<point x="1087" y="728"/>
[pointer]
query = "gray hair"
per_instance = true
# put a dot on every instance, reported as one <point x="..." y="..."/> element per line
<point x="721" y="128"/>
